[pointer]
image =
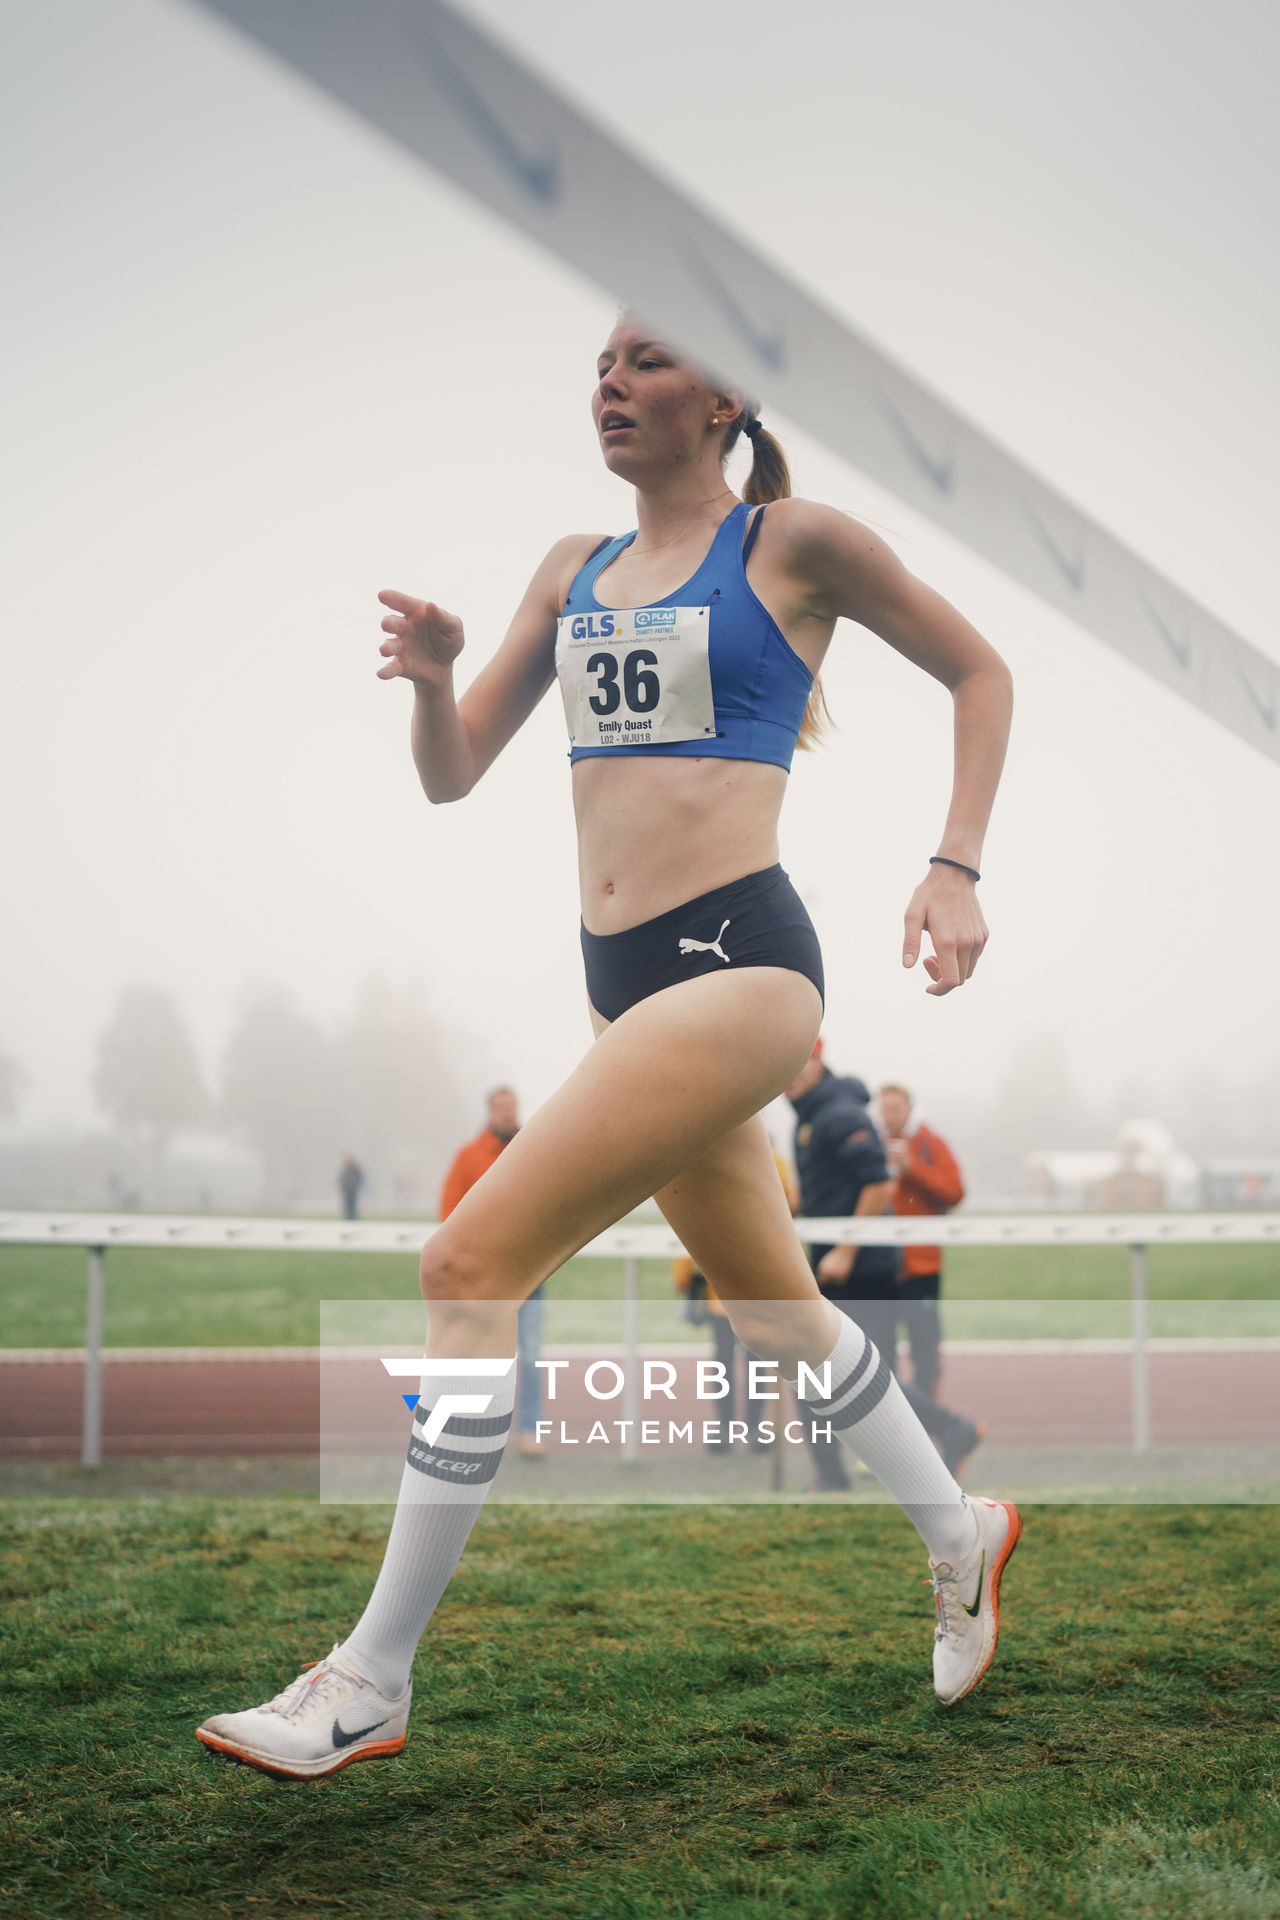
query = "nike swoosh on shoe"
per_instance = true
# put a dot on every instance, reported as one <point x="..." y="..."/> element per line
<point x="977" y="1598"/>
<point x="344" y="1739"/>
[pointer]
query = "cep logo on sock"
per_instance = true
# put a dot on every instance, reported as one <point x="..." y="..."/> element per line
<point x="448" y="1404"/>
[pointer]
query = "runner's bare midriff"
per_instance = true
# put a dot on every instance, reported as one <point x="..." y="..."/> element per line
<point x="654" y="831"/>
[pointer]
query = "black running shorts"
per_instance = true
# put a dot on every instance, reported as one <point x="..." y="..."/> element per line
<point x="758" y="921"/>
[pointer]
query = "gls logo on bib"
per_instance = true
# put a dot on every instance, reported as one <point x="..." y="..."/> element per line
<point x="635" y="676"/>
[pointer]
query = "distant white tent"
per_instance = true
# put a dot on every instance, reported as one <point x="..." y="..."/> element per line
<point x="1080" y="1176"/>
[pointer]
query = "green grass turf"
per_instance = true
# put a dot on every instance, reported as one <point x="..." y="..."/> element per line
<point x="188" y="1297"/>
<point x="629" y="1715"/>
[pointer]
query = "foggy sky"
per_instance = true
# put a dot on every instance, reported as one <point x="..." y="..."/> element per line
<point x="261" y="365"/>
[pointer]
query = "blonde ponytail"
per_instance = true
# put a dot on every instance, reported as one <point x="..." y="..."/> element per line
<point x="770" y="479"/>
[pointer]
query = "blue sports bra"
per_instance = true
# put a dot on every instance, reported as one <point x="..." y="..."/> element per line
<point x="705" y="671"/>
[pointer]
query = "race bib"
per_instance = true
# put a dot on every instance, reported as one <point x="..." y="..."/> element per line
<point x="635" y="676"/>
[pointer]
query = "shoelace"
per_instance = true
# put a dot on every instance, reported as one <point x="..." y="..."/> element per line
<point x="944" y="1575"/>
<point x="316" y="1680"/>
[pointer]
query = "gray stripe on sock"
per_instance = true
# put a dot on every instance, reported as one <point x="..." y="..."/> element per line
<point x="460" y="1427"/>
<point x="868" y="1400"/>
<point x="863" y="1362"/>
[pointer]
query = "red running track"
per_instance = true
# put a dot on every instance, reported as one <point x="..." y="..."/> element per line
<point x="246" y="1405"/>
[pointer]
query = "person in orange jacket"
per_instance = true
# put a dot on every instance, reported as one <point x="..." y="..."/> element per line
<point x="927" y="1180"/>
<point x="478" y="1155"/>
<point x="469" y="1163"/>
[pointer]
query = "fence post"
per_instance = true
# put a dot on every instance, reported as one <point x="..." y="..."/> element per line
<point x="1140" y="1389"/>
<point x="630" y="1357"/>
<point x="91" y="1426"/>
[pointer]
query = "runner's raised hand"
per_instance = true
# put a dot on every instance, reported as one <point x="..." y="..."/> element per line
<point x="424" y="640"/>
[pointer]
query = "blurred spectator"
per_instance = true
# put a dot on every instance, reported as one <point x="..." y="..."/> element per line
<point x="926" y="1180"/>
<point x="842" y="1170"/>
<point x="469" y="1163"/>
<point x="351" y="1177"/>
<point x="478" y="1155"/>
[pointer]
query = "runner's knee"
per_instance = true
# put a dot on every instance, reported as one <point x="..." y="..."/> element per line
<point x="448" y="1268"/>
<point x="785" y="1331"/>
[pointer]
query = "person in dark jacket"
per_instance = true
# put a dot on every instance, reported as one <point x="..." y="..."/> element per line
<point x="841" y="1166"/>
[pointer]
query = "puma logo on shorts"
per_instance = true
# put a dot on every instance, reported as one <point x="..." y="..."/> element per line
<point x="707" y="946"/>
<point x="763" y="911"/>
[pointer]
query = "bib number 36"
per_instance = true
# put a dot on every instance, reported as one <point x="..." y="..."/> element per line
<point x="641" y="688"/>
<point x="636" y="676"/>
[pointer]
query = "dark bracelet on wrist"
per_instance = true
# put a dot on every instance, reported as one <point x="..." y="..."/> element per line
<point x="936" y="858"/>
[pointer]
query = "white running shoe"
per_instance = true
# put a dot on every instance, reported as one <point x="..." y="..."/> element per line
<point x="967" y="1599"/>
<point x="325" y="1719"/>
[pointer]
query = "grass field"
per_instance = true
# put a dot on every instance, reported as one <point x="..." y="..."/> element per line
<point x="627" y="1715"/>
<point x="189" y="1298"/>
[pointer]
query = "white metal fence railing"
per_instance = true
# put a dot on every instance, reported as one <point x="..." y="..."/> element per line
<point x="630" y="1242"/>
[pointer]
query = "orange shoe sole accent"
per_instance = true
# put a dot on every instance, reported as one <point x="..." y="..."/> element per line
<point x="370" y="1752"/>
<point x="1011" y="1540"/>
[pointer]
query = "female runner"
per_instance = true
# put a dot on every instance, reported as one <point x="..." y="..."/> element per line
<point x="687" y="655"/>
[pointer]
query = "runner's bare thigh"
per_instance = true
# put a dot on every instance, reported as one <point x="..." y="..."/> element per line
<point x="660" y="1086"/>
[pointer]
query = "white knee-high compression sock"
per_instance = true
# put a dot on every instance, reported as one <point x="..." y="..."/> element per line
<point x="442" y="1489"/>
<point x="867" y="1409"/>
